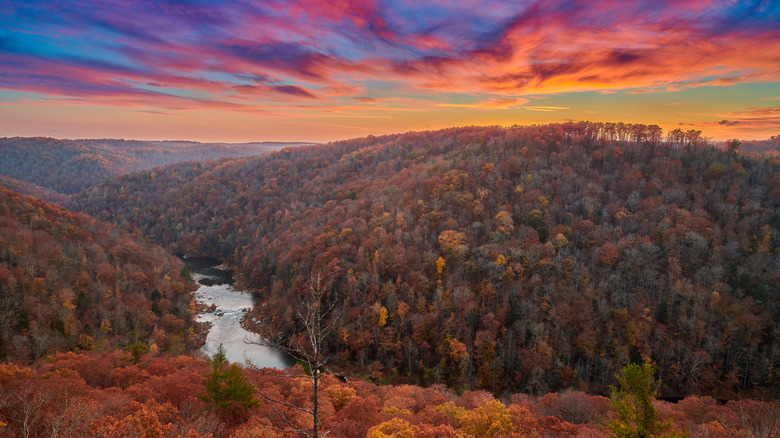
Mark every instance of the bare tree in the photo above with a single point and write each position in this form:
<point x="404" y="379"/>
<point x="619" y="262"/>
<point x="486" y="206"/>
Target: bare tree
<point x="317" y="318"/>
<point x="753" y="419"/>
<point x="26" y="410"/>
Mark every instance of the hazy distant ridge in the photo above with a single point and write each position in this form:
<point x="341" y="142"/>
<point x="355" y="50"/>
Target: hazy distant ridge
<point x="70" y="166"/>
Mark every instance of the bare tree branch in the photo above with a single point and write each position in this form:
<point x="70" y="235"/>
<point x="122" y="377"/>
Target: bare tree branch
<point x="318" y="320"/>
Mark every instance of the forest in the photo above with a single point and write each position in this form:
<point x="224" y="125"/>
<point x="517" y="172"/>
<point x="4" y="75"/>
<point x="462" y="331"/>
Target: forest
<point x="762" y="148"/>
<point x="70" y="282"/>
<point x="69" y="166"/>
<point x="524" y="259"/>
<point x="484" y="281"/>
<point x="113" y="395"/>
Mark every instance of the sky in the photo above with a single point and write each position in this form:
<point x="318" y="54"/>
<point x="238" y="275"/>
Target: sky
<point x="315" y="70"/>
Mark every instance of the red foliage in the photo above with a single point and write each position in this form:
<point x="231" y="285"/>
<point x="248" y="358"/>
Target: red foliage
<point x="165" y="404"/>
<point x="68" y="281"/>
<point x="354" y="420"/>
<point x="440" y="431"/>
<point x="605" y="219"/>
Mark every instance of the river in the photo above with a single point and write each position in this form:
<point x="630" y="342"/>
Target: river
<point x="216" y="286"/>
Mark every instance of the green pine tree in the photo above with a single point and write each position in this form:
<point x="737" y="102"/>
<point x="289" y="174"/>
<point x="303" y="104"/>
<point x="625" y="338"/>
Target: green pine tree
<point x="632" y="405"/>
<point x="226" y="386"/>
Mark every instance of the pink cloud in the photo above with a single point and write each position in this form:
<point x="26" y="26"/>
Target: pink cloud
<point x="243" y="55"/>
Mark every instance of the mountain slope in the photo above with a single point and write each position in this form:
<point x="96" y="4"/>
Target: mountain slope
<point x="31" y="189"/>
<point x="68" y="281"/>
<point x="69" y="166"/>
<point x="529" y="258"/>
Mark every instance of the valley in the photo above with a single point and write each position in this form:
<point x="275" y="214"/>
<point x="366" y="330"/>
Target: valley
<point x="478" y="244"/>
<point x="390" y="219"/>
<point x="215" y="288"/>
<point x="502" y="272"/>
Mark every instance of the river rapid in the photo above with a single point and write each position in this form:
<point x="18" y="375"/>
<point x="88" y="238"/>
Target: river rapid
<point x="215" y="286"/>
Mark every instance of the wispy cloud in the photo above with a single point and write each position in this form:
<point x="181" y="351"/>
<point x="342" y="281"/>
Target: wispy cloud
<point x="748" y="119"/>
<point x="175" y="55"/>
<point x="550" y="46"/>
<point x="545" y="108"/>
<point x="488" y="104"/>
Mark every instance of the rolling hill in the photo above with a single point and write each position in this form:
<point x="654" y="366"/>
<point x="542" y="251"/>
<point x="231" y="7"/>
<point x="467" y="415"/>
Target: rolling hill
<point x="68" y="281"/>
<point x="519" y="259"/>
<point x="70" y="166"/>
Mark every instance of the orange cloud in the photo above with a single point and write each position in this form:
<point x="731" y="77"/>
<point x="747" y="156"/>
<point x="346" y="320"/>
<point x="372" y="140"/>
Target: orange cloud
<point x="750" y="123"/>
<point x="371" y="59"/>
<point x="488" y="104"/>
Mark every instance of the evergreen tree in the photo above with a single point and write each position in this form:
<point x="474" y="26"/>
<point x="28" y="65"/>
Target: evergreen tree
<point x="226" y="387"/>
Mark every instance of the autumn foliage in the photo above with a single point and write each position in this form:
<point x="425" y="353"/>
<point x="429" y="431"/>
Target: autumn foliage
<point x="53" y="168"/>
<point x="70" y="282"/>
<point x="517" y="261"/>
<point x="554" y="254"/>
<point x="158" y="397"/>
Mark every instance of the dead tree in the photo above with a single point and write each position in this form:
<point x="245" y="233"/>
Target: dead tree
<point x="317" y="319"/>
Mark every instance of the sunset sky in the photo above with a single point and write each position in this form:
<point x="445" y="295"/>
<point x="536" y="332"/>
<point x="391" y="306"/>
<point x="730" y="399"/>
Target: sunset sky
<point x="315" y="70"/>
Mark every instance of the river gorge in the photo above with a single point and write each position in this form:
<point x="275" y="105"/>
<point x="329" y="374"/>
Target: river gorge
<point x="215" y="286"/>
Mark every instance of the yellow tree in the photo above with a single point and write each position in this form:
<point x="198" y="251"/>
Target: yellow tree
<point x="488" y="420"/>
<point x="453" y="243"/>
<point x="505" y="225"/>
<point x="440" y="264"/>
<point x="395" y="428"/>
<point x="634" y="415"/>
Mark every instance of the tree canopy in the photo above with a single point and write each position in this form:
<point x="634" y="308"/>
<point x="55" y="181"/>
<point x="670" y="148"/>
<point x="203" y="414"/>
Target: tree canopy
<point x="615" y="246"/>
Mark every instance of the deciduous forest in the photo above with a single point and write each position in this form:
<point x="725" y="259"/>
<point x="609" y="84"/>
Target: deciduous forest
<point x="70" y="166"/>
<point x="68" y="281"/>
<point x="522" y="259"/>
<point x="484" y="282"/>
<point x="110" y="395"/>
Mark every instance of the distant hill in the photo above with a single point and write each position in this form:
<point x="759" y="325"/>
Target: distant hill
<point x="69" y="166"/>
<point x="31" y="189"/>
<point x="68" y="281"/>
<point x="521" y="259"/>
<point x="769" y="147"/>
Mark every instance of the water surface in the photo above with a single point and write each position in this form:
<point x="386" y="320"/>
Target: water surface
<point x="216" y="286"/>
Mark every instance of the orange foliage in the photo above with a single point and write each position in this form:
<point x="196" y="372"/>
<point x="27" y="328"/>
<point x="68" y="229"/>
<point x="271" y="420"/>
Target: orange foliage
<point x="165" y="404"/>
<point x="488" y="420"/>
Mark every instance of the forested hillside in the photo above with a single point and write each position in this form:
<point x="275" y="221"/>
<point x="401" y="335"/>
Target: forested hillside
<point x="769" y="147"/>
<point x="68" y="281"/>
<point x="521" y="259"/>
<point x="69" y="166"/>
<point x="31" y="189"/>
